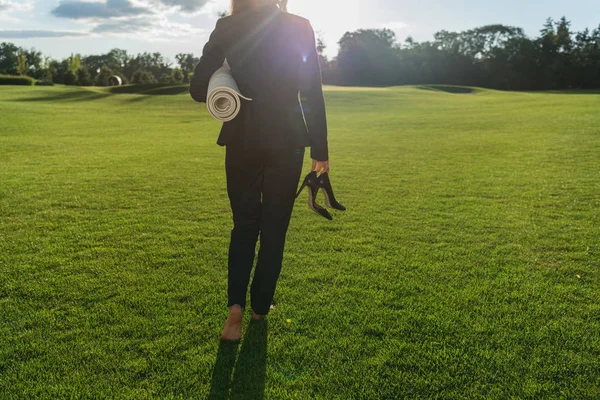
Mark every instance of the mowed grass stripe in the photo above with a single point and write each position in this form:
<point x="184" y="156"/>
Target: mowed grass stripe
<point x="466" y="265"/>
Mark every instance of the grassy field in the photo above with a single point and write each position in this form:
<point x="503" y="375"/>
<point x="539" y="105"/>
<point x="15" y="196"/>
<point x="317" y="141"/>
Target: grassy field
<point x="466" y="266"/>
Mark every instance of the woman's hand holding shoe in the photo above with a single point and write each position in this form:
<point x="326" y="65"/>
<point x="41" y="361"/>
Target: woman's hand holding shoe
<point x="320" y="167"/>
<point x="313" y="182"/>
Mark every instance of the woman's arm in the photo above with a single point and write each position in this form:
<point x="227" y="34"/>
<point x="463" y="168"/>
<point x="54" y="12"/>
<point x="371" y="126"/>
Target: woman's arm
<point x="311" y="94"/>
<point x="212" y="59"/>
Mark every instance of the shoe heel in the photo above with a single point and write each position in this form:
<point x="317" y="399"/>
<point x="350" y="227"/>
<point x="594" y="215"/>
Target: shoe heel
<point x="301" y="188"/>
<point x="330" y="199"/>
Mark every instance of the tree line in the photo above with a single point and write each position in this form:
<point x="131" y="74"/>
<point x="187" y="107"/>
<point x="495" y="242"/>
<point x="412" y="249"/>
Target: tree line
<point x="492" y="56"/>
<point x="96" y="69"/>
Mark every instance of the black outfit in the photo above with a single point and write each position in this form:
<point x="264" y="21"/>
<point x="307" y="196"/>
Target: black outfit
<point x="274" y="61"/>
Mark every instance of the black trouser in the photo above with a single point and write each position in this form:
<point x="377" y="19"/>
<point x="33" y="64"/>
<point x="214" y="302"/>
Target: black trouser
<point x="262" y="186"/>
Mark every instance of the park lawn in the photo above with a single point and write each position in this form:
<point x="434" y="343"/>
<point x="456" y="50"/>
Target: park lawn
<point x="466" y="266"/>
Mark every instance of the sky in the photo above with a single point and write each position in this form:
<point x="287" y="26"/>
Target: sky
<point x="59" y="28"/>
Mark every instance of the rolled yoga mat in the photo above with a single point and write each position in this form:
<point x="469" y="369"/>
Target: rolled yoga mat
<point x="224" y="98"/>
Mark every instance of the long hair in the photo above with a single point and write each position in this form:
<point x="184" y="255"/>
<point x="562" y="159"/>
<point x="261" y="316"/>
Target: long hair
<point x="241" y="5"/>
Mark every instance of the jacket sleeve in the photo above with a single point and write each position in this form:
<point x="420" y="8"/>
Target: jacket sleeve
<point x="311" y="94"/>
<point x="212" y="59"/>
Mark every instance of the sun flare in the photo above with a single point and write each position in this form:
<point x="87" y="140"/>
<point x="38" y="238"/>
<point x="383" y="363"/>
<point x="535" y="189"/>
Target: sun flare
<point x="331" y="18"/>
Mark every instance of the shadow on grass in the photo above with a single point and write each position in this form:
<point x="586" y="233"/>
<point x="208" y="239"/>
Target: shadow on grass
<point x="150" y="89"/>
<point x="84" y="94"/>
<point x="574" y="91"/>
<point x="250" y="369"/>
<point x="79" y="95"/>
<point x="448" y="89"/>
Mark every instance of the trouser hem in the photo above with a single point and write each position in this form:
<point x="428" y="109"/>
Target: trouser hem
<point x="231" y="303"/>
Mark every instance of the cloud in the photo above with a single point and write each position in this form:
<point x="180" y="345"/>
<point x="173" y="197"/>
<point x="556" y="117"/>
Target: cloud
<point x="123" y="26"/>
<point x="396" y="25"/>
<point x="109" y="9"/>
<point x="212" y="7"/>
<point x="155" y="28"/>
<point x="136" y="19"/>
<point x="30" y="34"/>
<point x="9" y="5"/>
<point x="84" y="9"/>
<point x="150" y="29"/>
<point x="185" y="5"/>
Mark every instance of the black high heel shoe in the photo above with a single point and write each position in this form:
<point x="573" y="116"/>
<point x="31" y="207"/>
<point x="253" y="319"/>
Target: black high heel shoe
<point x="330" y="200"/>
<point x="311" y="182"/>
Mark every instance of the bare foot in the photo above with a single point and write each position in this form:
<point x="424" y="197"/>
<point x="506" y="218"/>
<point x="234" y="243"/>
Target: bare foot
<point x="233" y="326"/>
<point x="257" y="317"/>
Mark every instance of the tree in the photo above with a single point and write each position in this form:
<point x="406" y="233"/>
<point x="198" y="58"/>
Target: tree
<point x="70" y="78"/>
<point x="57" y="71"/>
<point x="564" y="41"/>
<point x="9" y="54"/>
<point x="34" y="62"/>
<point x="153" y="64"/>
<point x="68" y="70"/>
<point x="492" y="47"/>
<point x="16" y="60"/>
<point x="586" y="59"/>
<point x="321" y="51"/>
<point x="117" y="60"/>
<point x="480" y="43"/>
<point x="103" y="75"/>
<point x="46" y="70"/>
<point x="187" y="63"/>
<point x="563" y="58"/>
<point x="141" y="77"/>
<point x="83" y="77"/>
<point x="74" y="63"/>
<point x="368" y="57"/>
<point x="177" y="76"/>
<point x="22" y="67"/>
<point x="328" y="68"/>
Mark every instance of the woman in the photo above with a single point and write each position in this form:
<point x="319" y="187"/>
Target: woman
<point x="273" y="58"/>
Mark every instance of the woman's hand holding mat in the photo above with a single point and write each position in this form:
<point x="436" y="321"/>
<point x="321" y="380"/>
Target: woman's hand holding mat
<point x="224" y="98"/>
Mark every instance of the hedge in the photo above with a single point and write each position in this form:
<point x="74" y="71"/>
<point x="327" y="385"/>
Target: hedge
<point x="16" y="80"/>
<point x="44" y="83"/>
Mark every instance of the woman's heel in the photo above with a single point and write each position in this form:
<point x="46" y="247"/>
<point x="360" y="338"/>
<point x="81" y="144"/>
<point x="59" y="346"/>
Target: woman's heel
<point x="330" y="200"/>
<point x="307" y="181"/>
<point x="312" y="196"/>
<point x="301" y="188"/>
<point x="312" y="183"/>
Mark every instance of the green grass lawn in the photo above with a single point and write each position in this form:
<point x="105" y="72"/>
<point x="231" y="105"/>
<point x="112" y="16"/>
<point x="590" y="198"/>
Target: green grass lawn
<point x="466" y="266"/>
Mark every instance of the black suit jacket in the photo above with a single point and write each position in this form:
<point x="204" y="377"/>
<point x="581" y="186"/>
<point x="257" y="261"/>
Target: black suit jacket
<point x="273" y="58"/>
